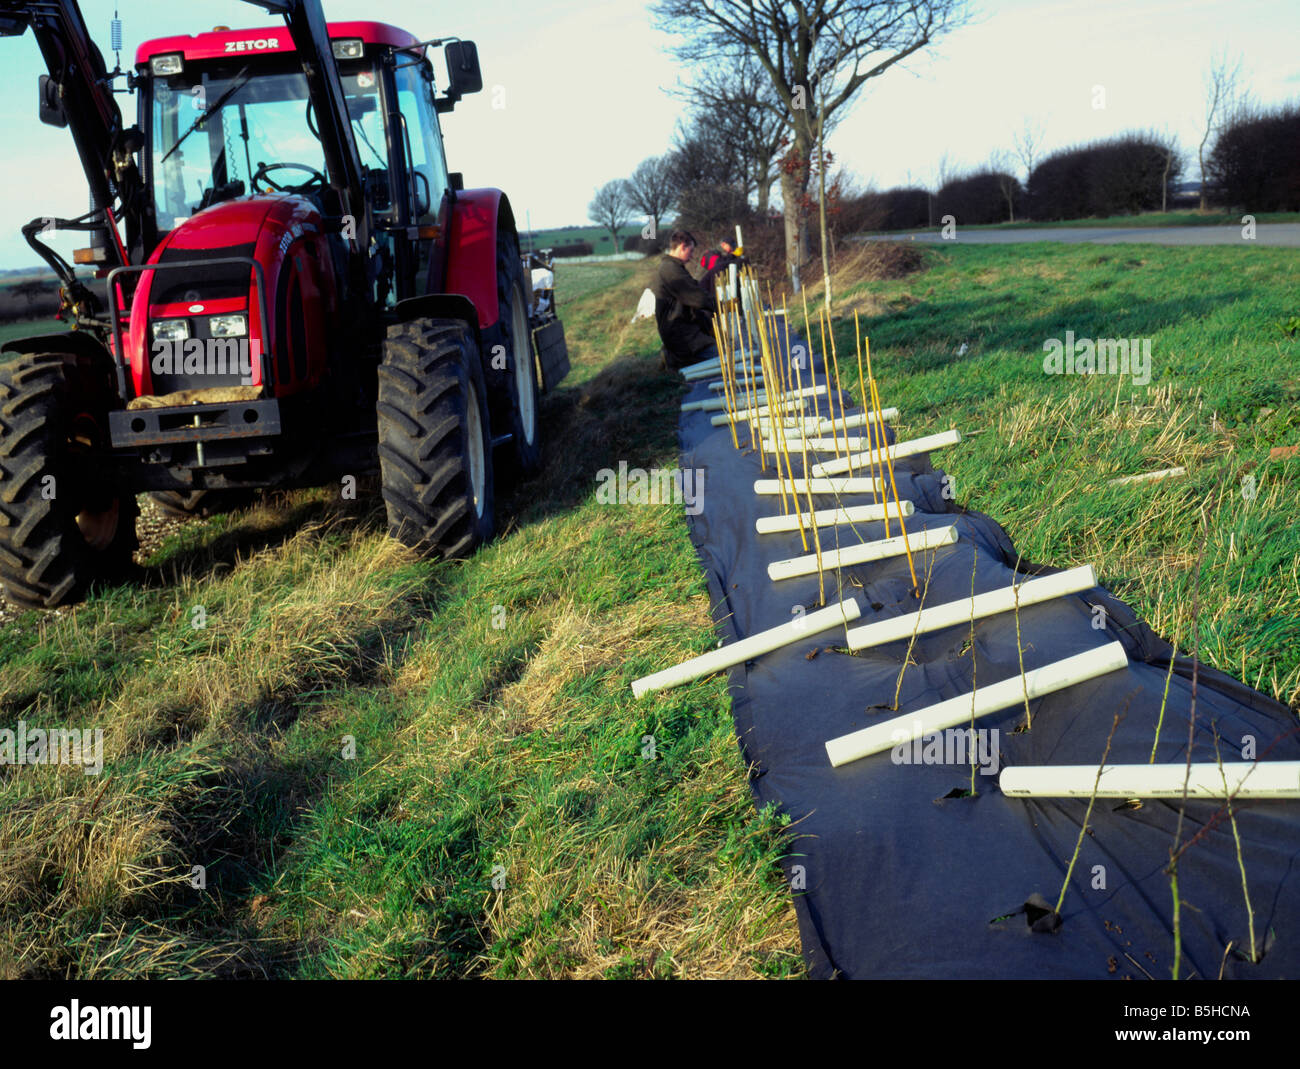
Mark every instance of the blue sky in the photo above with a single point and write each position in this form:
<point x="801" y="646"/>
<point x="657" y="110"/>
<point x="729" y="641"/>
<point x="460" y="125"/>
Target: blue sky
<point x="578" y="89"/>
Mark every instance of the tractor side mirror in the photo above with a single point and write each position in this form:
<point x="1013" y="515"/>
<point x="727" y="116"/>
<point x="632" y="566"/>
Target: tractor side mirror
<point x="51" y="102"/>
<point x="463" y="74"/>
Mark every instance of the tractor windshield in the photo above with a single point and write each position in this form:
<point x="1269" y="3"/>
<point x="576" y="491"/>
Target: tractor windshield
<point x="223" y="131"/>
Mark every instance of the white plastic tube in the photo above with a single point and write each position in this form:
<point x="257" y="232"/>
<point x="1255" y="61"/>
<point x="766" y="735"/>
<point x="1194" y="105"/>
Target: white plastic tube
<point x="1245" y="779"/>
<point x="744" y="414"/>
<point x="793" y="427"/>
<point x="1030" y="592"/>
<point x="795" y="433"/>
<point x="1149" y="476"/>
<point x="831" y="517"/>
<point x="830" y="426"/>
<point x="713" y="404"/>
<point x="844" y="485"/>
<point x="898" y="449"/>
<point x="710" y="368"/>
<point x="718" y="387"/>
<point x="862" y="553"/>
<point x="747" y="649"/>
<point x="827" y="445"/>
<point x="988" y="699"/>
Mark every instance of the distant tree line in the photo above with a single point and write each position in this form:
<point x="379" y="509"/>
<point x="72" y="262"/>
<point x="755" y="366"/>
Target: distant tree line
<point x="1255" y="164"/>
<point x="732" y="149"/>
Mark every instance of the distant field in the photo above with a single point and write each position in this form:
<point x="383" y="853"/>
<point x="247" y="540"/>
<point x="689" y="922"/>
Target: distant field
<point x="594" y="235"/>
<point x="23" y="328"/>
<point x="573" y="281"/>
<point x="1142" y="220"/>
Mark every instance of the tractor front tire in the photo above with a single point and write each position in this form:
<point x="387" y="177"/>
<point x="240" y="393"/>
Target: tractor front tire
<point x="435" y="440"/>
<point x="64" y="522"/>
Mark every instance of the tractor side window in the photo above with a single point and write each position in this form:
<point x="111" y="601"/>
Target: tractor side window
<point x="429" y="169"/>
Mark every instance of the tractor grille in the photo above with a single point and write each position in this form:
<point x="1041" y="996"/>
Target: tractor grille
<point x="202" y="283"/>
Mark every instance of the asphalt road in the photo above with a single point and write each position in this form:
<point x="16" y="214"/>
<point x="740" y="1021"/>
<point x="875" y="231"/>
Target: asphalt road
<point x="1285" y="235"/>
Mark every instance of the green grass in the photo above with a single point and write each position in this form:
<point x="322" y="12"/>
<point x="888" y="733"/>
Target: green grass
<point x="1224" y="390"/>
<point x="26" y="328"/>
<point x="1145" y="219"/>
<point x="358" y="742"/>
<point x="494" y="729"/>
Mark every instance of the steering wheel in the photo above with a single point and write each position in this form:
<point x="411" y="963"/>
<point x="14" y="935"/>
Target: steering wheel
<point x="316" y="181"/>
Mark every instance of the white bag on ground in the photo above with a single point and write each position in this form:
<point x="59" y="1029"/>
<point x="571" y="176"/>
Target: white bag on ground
<point x="645" y="307"/>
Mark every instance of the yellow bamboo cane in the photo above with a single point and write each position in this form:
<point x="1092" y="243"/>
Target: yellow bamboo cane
<point x="835" y="358"/>
<point x="807" y="486"/>
<point x="875" y="393"/>
<point x="807" y="333"/>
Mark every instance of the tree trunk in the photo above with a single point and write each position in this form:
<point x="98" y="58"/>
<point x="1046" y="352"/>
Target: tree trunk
<point x="821" y="213"/>
<point x="794" y="192"/>
<point x="790" y="212"/>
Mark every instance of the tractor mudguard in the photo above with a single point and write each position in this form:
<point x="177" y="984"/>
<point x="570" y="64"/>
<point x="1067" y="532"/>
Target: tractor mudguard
<point x="476" y="217"/>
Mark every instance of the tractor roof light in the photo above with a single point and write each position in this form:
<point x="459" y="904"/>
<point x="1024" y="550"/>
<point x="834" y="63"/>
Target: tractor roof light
<point x="171" y="63"/>
<point x="348" y="48"/>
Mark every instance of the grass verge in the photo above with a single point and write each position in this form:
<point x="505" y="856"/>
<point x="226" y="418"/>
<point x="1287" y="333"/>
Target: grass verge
<point x="365" y="765"/>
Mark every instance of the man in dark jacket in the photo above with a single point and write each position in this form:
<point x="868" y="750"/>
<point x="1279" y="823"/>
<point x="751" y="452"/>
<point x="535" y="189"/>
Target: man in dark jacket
<point x="683" y="310"/>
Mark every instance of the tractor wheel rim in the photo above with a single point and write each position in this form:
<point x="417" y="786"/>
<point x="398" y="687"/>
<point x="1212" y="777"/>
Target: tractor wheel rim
<point x="99" y="528"/>
<point x="477" y="452"/>
<point x="523" y="345"/>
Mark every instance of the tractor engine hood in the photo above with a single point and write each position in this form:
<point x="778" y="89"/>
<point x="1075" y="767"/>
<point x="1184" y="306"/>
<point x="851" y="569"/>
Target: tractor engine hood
<point x="198" y="321"/>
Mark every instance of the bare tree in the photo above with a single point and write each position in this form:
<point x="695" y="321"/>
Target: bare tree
<point x="650" y="189"/>
<point x="944" y="172"/>
<point x="1167" y="146"/>
<point x="1220" y="99"/>
<point x="611" y="209"/>
<point x="1000" y="164"/>
<point x="739" y="97"/>
<point x="1028" y="145"/>
<point x="817" y="54"/>
<point x="704" y="153"/>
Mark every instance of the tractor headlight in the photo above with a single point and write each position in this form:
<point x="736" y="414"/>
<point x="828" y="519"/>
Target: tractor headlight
<point x="171" y="63"/>
<point x="228" y="326"/>
<point x="349" y="48"/>
<point x="171" y="329"/>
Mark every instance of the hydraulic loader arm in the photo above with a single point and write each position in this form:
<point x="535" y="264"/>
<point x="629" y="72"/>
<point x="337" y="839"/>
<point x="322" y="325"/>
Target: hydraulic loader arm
<point x="81" y="88"/>
<point x="306" y="24"/>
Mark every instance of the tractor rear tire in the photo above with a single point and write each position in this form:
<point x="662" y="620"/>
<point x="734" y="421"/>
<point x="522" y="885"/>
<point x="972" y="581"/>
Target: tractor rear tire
<point x="435" y="439"/>
<point x="64" y="522"/>
<point x="514" y="334"/>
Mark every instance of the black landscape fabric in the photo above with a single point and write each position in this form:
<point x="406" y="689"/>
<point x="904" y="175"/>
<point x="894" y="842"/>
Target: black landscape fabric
<point x="891" y="877"/>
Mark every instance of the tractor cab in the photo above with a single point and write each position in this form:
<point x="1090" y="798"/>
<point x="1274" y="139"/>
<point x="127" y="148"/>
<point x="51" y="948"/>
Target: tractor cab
<point x="228" y="115"/>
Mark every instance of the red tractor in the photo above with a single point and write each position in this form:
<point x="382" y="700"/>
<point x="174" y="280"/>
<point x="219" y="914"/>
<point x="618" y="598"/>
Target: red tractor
<point x="296" y="292"/>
